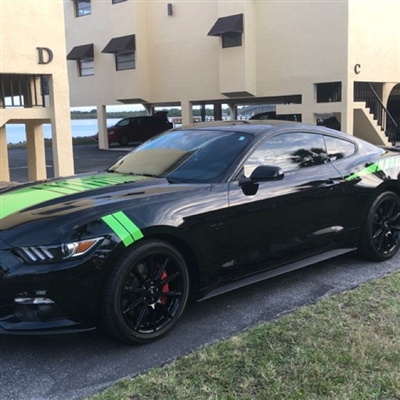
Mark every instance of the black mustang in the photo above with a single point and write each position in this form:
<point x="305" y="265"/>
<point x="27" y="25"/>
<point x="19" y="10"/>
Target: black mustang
<point x="189" y="214"/>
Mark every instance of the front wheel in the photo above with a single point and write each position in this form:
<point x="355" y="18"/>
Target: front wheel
<point x="146" y="292"/>
<point x="380" y="237"/>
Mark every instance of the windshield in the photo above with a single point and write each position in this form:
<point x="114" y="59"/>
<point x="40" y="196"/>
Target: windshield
<point x="185" y="156"/>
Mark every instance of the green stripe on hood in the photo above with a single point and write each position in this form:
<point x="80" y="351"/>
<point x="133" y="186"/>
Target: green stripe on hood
<point x="19" y="199"/>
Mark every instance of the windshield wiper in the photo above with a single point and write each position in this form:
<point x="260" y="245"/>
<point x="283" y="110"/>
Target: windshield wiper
<point x="142" y="174"/>
<point x="171" y="180"/>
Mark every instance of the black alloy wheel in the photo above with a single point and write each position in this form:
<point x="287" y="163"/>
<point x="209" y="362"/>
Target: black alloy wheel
<point x="146" y="292"/>
<point x="123" y="140"/>
<point x="380" y="238"/>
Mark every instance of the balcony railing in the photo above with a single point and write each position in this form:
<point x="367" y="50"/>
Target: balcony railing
<point x="23" y="91"/>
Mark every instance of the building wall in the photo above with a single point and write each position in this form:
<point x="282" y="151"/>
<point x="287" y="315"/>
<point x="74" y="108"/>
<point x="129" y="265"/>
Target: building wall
<point x="25" y="26"/>
<point x="283" y="43"/>
<point x="374" y="40"/>
<point x="288" y="48"/>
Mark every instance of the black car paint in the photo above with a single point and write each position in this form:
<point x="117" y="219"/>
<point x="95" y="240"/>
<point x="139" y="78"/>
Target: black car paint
<point x="225" y="235"/>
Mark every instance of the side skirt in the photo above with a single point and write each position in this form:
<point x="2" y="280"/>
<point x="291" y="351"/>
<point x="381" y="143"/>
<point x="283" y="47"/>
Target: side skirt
<point x="275" y="272"/>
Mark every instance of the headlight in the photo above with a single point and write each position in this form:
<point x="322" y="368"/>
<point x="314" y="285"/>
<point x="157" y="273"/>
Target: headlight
<point x="57" y="252"/>
<point x="110" y="132"/>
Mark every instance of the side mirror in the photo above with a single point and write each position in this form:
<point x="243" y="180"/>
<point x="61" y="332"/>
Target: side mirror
<point x="265" y="173"/>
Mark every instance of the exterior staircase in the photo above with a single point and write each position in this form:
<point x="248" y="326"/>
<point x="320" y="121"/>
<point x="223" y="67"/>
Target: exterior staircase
<point x="372" y="121"/>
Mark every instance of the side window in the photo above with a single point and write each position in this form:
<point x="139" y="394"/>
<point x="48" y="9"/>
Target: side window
<point x="289" y="151"/>
<point x="338" y="148"/>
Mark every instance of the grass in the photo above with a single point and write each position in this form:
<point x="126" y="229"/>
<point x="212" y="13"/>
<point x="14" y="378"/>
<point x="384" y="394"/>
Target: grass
<point x="343" y="347"/>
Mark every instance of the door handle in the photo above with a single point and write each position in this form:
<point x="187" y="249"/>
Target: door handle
<point x="330" y="183"/>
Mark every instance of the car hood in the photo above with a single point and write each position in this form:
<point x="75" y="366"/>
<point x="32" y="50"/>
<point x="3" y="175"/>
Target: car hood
<point x="50" y="209"/>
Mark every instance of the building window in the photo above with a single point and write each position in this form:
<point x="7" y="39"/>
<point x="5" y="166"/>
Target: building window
<point x="86" y="67"/>
<point x="84" y="56"/>
<point x="231" y="39"/>
<point x="82" y="8"/>
<point x="230" y="29"/>
<point x="329" y="92"/>
<point x="123" y="48"/>
<point x="125" y="61"/>
<point x="117" y="1"/>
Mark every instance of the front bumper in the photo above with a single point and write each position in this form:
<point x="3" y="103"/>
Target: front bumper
<point x="49" y="298"/>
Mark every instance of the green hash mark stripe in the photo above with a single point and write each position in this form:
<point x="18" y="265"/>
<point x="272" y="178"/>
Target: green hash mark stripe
<point x="128" y="225"/>
<point x="386" y="163"/>
<point x="123" y="227"/>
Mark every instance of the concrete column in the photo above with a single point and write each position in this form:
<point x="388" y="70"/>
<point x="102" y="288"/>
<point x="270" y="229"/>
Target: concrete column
<point x="149" y="109"/>
<point x="4" y="166"/>
<point x="309" y="99"/>
<point x="233" y="112"/>
<point x="347" y="116"/>
<point x="35" y="151"/>
<point x="203" y="111"/>
<point x="187" y="112"/>
<point x="217" y="112"/>
<point x="61" y="125"/>
<point x="102" y="127"/>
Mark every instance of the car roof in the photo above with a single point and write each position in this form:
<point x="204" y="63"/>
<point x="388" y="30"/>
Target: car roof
<point x="257" y="127"/>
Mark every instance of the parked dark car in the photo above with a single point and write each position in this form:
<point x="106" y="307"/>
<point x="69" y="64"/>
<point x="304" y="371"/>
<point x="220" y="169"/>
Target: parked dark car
<point x="189" y="214"/>
<point x="268" y="115"/>
<point x="330" y="121"/>
<point x="137" y="129"/>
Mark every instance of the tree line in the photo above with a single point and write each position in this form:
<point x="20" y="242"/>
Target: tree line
<point x="172" y="112"/>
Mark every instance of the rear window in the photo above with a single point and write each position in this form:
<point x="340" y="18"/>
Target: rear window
<point x="338" y="148"/>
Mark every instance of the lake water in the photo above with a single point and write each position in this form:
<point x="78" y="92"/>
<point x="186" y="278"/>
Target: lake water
<point x="79" y="127"/>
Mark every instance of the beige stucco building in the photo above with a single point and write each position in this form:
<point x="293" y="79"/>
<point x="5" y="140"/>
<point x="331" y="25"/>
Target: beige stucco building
<point x="307" y="57"/>
<point x="34" y="83"/>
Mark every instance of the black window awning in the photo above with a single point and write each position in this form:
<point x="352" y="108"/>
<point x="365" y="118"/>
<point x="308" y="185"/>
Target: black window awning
<point x="230" y="24"/>
<point x="120" y="44"/>
<point x="81" y="52"/>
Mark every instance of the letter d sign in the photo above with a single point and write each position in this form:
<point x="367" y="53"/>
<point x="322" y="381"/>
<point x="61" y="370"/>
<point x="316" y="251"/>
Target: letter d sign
<point x="42" y="51"/>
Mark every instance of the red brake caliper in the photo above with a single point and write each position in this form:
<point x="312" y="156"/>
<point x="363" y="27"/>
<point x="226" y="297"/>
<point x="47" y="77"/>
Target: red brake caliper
<point x="165" y="288"/>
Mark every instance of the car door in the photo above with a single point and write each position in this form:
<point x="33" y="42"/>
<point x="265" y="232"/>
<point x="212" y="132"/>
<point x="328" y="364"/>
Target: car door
<point x="288" y="219"/>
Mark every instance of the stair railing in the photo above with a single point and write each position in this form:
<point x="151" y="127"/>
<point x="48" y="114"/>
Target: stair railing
<point x="363" y="91"/>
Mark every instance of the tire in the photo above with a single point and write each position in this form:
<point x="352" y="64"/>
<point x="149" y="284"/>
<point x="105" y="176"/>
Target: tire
<point x="146" y="292"/>
<point x="380" y="236"/>
<point x="123" y="140"/>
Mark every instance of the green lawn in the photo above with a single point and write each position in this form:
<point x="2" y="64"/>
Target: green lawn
<point x="343" y="347"/>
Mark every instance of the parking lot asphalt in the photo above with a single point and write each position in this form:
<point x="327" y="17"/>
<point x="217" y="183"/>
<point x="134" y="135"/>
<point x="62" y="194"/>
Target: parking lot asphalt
<point x="68" y="368"/>
<point x="87" y="158"/>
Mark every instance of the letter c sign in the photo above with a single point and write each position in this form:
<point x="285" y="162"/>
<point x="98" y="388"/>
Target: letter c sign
<point x="357" y="68"/>
<point x="42" y="51"/>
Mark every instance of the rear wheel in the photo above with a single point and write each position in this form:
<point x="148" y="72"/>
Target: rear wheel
<point x="146" y="292"/>
<point x="380" y="238"/>
<point x="123" y="140"/>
